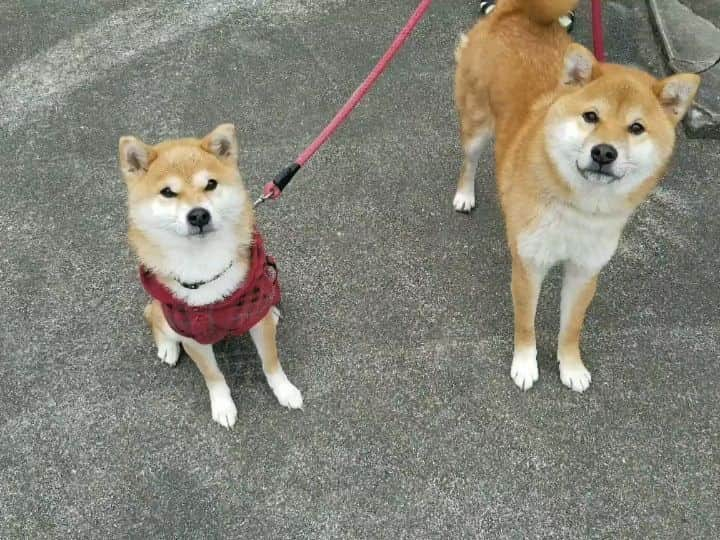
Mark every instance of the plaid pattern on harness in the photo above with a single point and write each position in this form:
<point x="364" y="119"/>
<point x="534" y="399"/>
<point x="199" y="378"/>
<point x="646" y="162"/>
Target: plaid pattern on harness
<point x="232" y="316"/>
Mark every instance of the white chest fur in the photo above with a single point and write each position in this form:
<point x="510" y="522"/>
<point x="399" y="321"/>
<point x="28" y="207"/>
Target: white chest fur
<point x="214" y="291"/>
<point x="565" y="233"/>
<point x="196" y="260"/>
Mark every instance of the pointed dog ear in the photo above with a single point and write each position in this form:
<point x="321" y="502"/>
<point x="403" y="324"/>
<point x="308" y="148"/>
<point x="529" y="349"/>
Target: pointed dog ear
<point x="676" y="94"/>
<point x="135" y="157"/>
<point x="222" y="142"/>
<point x="577" y="66"/>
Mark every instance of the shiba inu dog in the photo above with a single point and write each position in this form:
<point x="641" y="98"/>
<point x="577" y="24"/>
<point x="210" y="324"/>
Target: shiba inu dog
<point x="192" y="226"/>
<point x="579" y="145"/>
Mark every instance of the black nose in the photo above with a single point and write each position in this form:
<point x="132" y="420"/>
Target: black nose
<point x="603" y="154"/>
<point x="198" y="217"/>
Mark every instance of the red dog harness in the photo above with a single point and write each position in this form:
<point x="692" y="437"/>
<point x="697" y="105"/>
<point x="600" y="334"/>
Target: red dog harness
<point x="232" y="316"/>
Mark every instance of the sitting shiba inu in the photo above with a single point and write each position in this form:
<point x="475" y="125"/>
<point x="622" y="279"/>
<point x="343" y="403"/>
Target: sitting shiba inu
<point x="191" y="224"/>
<point x="579" y="145"/>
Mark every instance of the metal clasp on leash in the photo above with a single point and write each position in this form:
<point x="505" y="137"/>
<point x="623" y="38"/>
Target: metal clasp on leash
<point x="273" y="189"/>
<point x="260" y="200"/>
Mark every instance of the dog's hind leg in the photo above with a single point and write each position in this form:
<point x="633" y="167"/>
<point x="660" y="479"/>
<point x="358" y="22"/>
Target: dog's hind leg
<point x="166" y="340"/>
<point x="475" y="133"/>
<point x="263" y="335"/>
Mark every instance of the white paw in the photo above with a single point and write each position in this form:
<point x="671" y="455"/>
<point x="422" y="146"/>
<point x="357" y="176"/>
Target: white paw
<point x="464" y="201"/>
<point x="284" y="390"/>
<point x="224" y="411"/>
<point x="575" y="376"/>
<point x="288" y="395"/>
<point x="168" y="351"/>
<point x="524" y="370"/>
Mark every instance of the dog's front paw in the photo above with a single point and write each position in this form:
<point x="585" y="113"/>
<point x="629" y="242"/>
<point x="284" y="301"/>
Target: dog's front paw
<point x="288" y="396"/>
<point x="524" y="370"/>
<point x="224" y="411"/>
<point x="168" y="351"/>
<point x="464" y="201"/>
<point x="285" y="391"/>
<point x="575" y="375"/>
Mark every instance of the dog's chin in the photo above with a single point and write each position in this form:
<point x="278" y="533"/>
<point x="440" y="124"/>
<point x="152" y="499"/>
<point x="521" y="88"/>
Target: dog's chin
<point x="597" y="176"/>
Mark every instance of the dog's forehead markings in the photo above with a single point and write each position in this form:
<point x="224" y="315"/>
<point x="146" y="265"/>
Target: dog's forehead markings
<point x="181" y="155"/>
<point x="183" y="162"/>
<point x="173" y="182"/>
<point x="634" y="114"/>
<point x="200" y="178"/>
<point x="631" y="95"/>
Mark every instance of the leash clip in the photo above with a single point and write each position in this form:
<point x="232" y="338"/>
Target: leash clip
<point x="270" y="191"/>
<point x="273" y="189"/>
<point x="259" y="201"/>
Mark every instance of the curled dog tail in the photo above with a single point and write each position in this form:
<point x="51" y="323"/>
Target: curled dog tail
<point x="546" y="11"/>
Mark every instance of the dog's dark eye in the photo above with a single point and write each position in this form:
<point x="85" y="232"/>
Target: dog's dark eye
<point x="212" y="184"/>
<point x="591" y="117"/>
<point x="168" y="193"/>
<point x="637" y="128"/>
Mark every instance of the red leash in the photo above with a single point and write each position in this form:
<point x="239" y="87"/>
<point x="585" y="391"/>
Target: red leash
<point x="597" y="30"/>
<point x="273" y="190"/>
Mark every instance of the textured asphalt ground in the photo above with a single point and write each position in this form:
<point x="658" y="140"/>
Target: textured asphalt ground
<point x="397" y="318"/>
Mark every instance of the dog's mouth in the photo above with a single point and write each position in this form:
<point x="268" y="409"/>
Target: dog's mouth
<point x="201" y="232"/>
<point x="597" y="174"/>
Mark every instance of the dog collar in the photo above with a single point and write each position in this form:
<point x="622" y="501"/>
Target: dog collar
<point x="198" y="284"/>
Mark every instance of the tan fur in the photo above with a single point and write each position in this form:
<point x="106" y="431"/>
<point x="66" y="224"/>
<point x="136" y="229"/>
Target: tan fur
<point x="525" y="293"/>
<point x="264" y="336"/>
<point x="205" y="362"/>
<point x="156" y="321"/>
<point x="569" y="338"/>
<point x="544" y="11"/>
<point x="518" y="73"/>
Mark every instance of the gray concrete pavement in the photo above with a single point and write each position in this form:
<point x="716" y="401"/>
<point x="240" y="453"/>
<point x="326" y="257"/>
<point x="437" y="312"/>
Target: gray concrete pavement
<point x="397" y="318"/>
<point x="707" y="9"/>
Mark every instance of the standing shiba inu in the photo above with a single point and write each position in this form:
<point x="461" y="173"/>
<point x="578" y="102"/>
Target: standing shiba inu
<point x="192" y="226"/>
<point x="579" y="145"/>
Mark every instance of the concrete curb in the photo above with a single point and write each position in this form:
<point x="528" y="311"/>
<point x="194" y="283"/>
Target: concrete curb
<point x="692" y="44"/>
